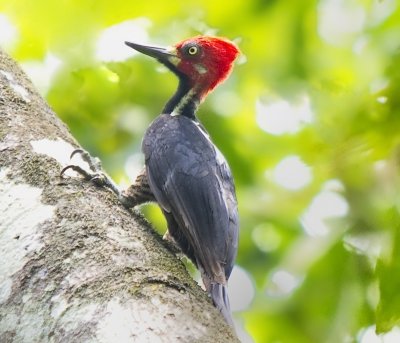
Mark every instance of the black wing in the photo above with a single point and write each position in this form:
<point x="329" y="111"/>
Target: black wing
<point x="192" y="181"/>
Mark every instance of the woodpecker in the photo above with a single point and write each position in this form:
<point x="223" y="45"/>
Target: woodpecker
<point x="184" y="172"/>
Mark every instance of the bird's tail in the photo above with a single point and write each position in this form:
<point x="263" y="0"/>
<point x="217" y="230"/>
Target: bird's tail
<point x="219" y="295"/>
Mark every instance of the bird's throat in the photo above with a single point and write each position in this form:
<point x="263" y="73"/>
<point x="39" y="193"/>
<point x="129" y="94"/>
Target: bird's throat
<point x="187" y="105"/>
<point x="185" y="101"/>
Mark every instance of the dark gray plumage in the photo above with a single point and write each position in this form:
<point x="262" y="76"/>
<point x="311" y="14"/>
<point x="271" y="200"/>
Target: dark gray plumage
<point x="192" y="183"/>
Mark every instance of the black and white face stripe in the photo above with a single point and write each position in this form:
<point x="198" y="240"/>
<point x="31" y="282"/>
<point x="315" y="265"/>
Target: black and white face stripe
<point x="184" y="101"/>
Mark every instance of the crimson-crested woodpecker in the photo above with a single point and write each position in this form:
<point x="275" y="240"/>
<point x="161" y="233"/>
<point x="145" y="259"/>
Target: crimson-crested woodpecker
<point x="184" y="172"/>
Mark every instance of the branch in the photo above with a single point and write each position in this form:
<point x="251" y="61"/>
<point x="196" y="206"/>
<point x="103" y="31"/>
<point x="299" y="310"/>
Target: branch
<point x="76" y="265"/>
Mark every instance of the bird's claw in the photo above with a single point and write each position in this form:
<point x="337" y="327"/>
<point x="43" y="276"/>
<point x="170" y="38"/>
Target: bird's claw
<point x="87" y="176"/>
<point x="94" y="163"/>
<point x="95" y="175"/>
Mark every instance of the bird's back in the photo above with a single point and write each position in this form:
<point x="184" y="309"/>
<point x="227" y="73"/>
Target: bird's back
<point x="192" y="182"/>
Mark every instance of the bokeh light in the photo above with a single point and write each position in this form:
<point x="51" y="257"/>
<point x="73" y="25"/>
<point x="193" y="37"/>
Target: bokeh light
<point x="292" y="173"/>
<point x="280" y="116"/>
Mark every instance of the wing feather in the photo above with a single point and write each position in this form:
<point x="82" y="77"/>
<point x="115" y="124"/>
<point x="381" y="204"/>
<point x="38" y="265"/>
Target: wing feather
<point x="195" y="185"/>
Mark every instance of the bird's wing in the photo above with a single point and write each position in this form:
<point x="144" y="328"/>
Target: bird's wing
<point x="192" y="181"/>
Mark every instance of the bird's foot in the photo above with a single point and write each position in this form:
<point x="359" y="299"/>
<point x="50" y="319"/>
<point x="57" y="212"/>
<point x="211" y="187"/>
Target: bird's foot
<point x="95" y="173"/>
<point x="171" y="243"/>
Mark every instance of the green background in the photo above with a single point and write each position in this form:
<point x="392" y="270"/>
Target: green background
<point x="309" y="122"/>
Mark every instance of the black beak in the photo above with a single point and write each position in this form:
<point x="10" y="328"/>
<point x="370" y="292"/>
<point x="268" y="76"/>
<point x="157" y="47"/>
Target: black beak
<point x="160" y="54"/>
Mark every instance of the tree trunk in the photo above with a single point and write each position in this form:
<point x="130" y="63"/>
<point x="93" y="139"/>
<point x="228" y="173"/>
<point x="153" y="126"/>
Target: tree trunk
<point x="75" y="265"/>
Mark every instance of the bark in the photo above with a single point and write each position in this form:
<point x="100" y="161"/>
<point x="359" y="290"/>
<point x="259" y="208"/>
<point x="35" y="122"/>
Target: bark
<point x="75" y="265"/>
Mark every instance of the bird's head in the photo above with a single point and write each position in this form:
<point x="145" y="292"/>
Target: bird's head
<point x="203" y="61"/>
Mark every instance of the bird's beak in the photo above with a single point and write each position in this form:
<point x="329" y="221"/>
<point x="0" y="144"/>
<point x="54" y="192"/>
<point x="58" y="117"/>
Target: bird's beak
<point x="161" y="54"/>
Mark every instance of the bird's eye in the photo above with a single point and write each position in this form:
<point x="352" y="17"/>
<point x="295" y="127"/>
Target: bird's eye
<point x="193" y="50"/>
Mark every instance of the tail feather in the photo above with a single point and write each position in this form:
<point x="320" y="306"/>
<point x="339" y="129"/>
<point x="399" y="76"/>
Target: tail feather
<point x="219" y="295"/>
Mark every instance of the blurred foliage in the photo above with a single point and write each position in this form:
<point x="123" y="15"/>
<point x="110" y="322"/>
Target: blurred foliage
<point x="309" y="122"/>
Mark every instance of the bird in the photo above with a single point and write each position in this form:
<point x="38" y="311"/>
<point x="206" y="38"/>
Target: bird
<point x="184" y="172"/>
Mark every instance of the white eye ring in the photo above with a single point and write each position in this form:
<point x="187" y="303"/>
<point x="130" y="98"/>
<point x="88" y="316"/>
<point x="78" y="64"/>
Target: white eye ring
<point x="193" y="50"/>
